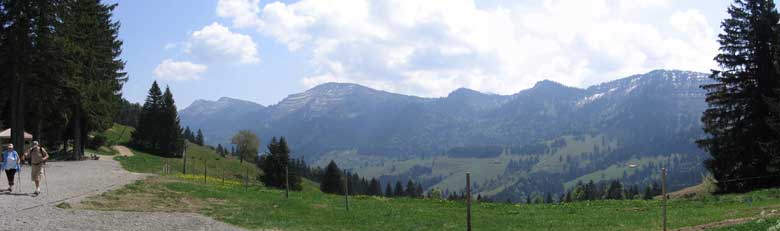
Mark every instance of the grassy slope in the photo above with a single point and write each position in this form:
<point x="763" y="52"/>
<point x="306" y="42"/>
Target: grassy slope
<point x="118" y="134"/>
<point x="197" y="156"/>
<point x="260" y="207"/>
<point x="311" y="210"/>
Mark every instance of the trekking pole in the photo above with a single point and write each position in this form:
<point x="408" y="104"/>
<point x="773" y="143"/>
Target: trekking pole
<point x="19" y="186"/>
<point x="45" y="182"/>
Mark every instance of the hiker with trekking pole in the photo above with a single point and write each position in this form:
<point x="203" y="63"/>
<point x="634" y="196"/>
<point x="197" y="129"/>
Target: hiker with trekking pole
<point x="10" y="165"/>
<point x="37" y="157"/>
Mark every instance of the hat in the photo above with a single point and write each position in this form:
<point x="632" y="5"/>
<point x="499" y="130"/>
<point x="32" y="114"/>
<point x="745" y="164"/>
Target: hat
<point x="35" y="143"/>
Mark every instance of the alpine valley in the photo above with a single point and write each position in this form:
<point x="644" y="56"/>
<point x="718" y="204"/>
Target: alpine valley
<point x="544" y="139"/>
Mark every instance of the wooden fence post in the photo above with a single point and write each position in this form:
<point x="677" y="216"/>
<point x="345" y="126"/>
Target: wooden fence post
<point x="287" y="182"/>
<point x="205" y="170"/>
<point x="184" y="156"/>
<point x="663" y="194"/>
<point x="346" y="191"/>
<point x="468" y="201"/>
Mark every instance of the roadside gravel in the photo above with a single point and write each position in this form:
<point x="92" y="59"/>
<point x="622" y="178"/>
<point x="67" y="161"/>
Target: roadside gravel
<point x="73" y="181"/>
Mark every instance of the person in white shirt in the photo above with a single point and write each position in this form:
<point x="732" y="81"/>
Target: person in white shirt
<point x="10" y="165"/>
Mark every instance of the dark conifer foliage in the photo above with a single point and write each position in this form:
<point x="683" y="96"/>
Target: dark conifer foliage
<point x="199" y="138"/>
<point x="738" y="114"/>
<point x="331" y="179"/>
<point x="398" y="191"/>
<point x="374" y="188"/>
<point x="158" y="128"/>
<point x="59" y="101"/>
<point x="275" y="166"/>
<point x="388" y="190"/>
<point x="128" y="114"/>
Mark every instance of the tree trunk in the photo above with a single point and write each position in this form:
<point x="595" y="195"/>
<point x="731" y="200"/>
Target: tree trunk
<point x="17" y="113"/>
<point x="77" y="148"/>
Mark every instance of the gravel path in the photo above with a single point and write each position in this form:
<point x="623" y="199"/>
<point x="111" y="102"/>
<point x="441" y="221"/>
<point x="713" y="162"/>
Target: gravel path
<point x="124" y="151"/>
<point x="73" y="181"/>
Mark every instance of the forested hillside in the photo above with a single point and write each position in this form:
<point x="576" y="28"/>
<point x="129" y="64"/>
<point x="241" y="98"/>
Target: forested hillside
<point x="539" y="140"/>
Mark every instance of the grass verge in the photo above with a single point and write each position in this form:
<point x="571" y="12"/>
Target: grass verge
<point x="310" y="209"/>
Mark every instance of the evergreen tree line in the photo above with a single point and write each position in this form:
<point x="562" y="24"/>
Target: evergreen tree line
<point x="743" y="117"/>
<point x="158" y="129"/>
<point x="610" y="190"/>
<point x="61" y="73"/>
<point x="277" y="171"/>
<point x="128" y="113"/>
<point x="332" y="180"/>
<point x="195" y="137"/>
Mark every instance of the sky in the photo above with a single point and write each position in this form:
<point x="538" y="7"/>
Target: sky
<point x="262" y="51"/>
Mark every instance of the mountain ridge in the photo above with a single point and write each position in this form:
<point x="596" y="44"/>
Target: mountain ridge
<point x="554" y="134"/>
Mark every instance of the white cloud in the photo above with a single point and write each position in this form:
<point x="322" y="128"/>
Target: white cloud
<point x="217" y="43"/>
<point x="179" y="70"/>
<point x="435" y="46"/>
<point x="243" y="12"/>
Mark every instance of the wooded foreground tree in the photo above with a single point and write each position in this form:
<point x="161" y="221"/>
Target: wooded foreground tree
<point x="61" y="69"/>
<point x="246" y="144"/>
<point x="275" y="166"/>
<point x="158" y="128"/>
<point x="331" y="179"/>
<point x="738" y="115"/>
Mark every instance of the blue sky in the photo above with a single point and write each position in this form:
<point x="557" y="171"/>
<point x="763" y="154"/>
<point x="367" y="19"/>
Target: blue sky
<point x="263" y="51"/>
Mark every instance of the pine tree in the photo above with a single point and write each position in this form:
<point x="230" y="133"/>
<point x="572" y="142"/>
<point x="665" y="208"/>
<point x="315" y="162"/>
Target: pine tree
<point x="648" y="195"/>
<point x="275" y="166"/>
<point x="331" y="179"/>
<point x="188" y="134"/>
<point x="199" y="138"/>
<point x="411" y="190"/>
<point x="220" y="150"/>
<point x="388" y="190"/>
<point x="548" y="198"/>
<point x="738" y="115"/>
<point x="374" y="188"/>
<point x="171" y="141"/>
<point x="94" y="75"/>
<point x="399" y="189"/>
<point x="146" y="135"/>
<point x="615" y="190"/>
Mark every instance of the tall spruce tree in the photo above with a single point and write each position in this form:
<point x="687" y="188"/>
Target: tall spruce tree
<point x="399" y="189"/>
<point x="411" y="189"/>
<point x="275" y="164"/>
<point x="738" y="113"/>
<point x="171" y="141"/>
<point x="374" y="188"/>
<point x="388" y="190"/>
<point x="146" y="135"/>
<point x="95" y="77"/>
<point x="199" y="138"/>
<point x="16" y="61"/>
<point x="331" y="179"/>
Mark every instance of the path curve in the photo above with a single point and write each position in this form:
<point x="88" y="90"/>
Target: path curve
<point x="73" y="181"/>
<point x="729" y="222"/>
<point x="124" y="151"/>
